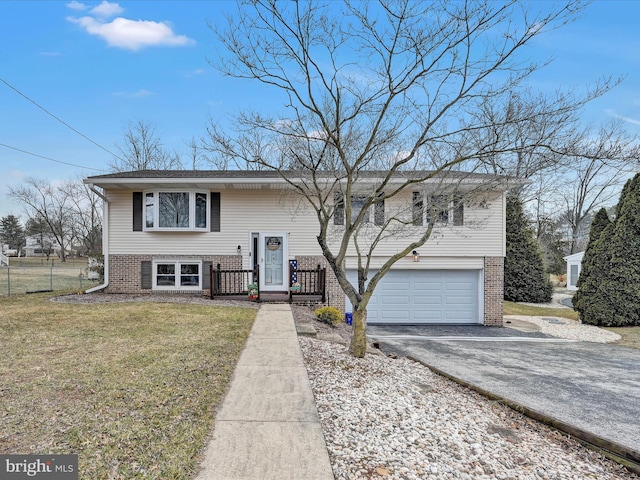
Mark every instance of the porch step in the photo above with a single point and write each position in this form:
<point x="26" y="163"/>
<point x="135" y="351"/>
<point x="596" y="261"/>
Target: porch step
<point x="274" y="297"/>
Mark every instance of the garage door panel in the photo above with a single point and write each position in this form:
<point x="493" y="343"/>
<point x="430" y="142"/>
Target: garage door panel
<point x="427" y="300"/>
<point x="425" y="296"/>
<point x="395" y="316"/>
<point x="389" y="298"/>
<point x="452" y="300"/>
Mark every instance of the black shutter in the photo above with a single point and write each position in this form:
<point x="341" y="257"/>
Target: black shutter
<point x="458" y="212"/>
<point x="338" y="209"/>
<point x="137" y="211"/>
<point x="146" y="275"/>
<point x="378" y="213"/>
<point x="418" y="209"/>
<point x="206" y="275"/>
<point x="215" y="212"/>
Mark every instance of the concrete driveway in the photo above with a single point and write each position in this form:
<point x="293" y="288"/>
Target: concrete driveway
<point x="593" y="387"/>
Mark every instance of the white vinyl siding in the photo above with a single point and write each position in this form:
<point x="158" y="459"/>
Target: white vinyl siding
<point x="482" y="234"/>
<point x="246" y="211"/>
<point x="241" y="212"/>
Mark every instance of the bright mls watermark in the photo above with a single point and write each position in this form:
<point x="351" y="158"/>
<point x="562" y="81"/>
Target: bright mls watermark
<point x="49" y="467"/>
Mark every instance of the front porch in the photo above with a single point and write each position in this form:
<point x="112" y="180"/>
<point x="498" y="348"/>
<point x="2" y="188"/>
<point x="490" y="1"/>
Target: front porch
<point x="304" y="286"/>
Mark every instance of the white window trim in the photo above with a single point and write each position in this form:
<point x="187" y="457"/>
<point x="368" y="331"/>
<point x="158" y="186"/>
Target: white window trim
<point x="177" y="263"/>
<point x="192" y="211"/>
<point x="425" y="206"/>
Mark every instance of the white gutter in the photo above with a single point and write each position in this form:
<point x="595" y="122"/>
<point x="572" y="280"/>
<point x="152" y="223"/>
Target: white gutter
<point x="105" y="240"/>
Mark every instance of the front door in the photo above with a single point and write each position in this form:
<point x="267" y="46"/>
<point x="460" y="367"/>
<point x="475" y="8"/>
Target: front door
<point x="273" y="258"/>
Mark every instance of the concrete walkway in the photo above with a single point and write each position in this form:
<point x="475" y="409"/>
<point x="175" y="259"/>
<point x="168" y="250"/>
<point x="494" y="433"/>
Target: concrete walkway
<point x="268" y="426"/>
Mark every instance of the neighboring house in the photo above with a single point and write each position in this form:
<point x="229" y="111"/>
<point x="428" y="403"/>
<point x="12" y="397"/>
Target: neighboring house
<point x="574" y="266"/>
<point x="164" y="229"/>
<point x="9" y="252"/>
<point x="41" y="246"/>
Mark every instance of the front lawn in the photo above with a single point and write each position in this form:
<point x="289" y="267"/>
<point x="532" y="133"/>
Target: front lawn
<point x="513" y="308"/>
<point x="132" y="388"/>
<point x="630" y="336"/>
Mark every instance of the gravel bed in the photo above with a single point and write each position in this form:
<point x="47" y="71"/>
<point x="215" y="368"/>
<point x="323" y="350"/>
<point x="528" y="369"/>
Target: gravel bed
<point x="395" y="419"/>
<point x="570" y="329"/>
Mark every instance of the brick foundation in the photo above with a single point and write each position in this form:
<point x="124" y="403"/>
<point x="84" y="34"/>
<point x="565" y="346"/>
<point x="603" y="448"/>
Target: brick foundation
<point x="125" y="270"/>
<point x="493" y="291"/>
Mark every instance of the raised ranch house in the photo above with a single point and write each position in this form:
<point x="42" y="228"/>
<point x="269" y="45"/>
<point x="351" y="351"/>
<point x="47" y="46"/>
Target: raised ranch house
<point x="165" y="230"/>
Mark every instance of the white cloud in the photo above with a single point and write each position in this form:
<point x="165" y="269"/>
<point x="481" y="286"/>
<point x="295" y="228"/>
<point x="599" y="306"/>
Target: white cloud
<point x="139" y="94"/>
<point x="132" y="34"/>
<point x="630" y="120"/>
<point x="107" y="9"/>
<point x="195" y="72"/>
<point x="76" y="6"/>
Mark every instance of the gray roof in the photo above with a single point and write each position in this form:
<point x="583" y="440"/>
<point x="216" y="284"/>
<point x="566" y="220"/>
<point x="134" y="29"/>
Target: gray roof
<point x="264" y="179"/>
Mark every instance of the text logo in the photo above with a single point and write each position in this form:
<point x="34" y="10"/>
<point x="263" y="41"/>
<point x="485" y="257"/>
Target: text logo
<point x="46" y="467"/>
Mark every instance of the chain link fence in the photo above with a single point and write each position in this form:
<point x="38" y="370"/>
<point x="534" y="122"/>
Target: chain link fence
<point x="28" y="277"/>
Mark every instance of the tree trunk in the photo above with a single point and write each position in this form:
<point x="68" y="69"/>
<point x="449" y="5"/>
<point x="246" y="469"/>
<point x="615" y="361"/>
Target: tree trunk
<point x="358" y="346"/>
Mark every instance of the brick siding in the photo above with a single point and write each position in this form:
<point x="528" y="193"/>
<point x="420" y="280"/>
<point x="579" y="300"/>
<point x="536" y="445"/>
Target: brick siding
<point x="493" y="291"/>
<point x="124" y="270"/>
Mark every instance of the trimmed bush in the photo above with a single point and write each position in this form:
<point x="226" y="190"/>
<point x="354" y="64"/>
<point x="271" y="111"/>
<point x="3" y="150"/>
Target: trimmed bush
<point x="329" y="315"/>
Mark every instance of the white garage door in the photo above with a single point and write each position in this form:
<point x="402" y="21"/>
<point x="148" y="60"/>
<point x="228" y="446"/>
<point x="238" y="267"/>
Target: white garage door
<point x="425" y="296"/>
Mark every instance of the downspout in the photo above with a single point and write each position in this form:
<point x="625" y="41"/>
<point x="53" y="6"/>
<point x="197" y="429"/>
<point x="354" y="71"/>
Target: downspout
<point x="105" y="240"/>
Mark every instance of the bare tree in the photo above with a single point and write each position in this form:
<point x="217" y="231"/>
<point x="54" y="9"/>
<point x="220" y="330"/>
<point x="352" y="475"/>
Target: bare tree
<point x="196" y="155"/>
<point x="571" y="169"/>
<point x="595" y="170"/>
<point x="86" y="218"/>
<point x="407" y="108"/>
<point x="142" y="150"/>
<point x="51" y="204"/>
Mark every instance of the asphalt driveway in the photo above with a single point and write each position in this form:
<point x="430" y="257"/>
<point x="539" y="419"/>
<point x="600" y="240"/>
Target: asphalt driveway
<point x="594" y="387"/>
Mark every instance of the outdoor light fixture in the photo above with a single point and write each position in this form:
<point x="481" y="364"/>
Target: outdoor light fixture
<point x="416" y="256"/>
<point x="239" y="250"/>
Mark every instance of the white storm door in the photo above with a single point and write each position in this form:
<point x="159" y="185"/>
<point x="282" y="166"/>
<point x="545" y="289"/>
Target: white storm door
<point x="273" y="259"/>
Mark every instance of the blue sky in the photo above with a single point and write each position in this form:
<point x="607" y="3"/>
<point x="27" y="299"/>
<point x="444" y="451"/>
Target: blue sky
<point x="100" y="66"/>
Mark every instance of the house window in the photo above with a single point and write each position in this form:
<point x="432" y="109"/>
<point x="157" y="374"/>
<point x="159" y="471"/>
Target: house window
<point x="357" y="204"/>
<point x="176" y="210"/>
<point x="440" y="208"/>
<point x="177" y="275"/>
<point x="149" y="210"/>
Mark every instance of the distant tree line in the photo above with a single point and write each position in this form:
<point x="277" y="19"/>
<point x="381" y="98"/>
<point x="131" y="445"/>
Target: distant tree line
<point x="64" y="218"/>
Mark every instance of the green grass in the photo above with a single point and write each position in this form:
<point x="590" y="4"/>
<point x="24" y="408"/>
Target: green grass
<point x="512" y="308"/>
<point x="132" y="388"/>
<point x="630" y="336"/>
